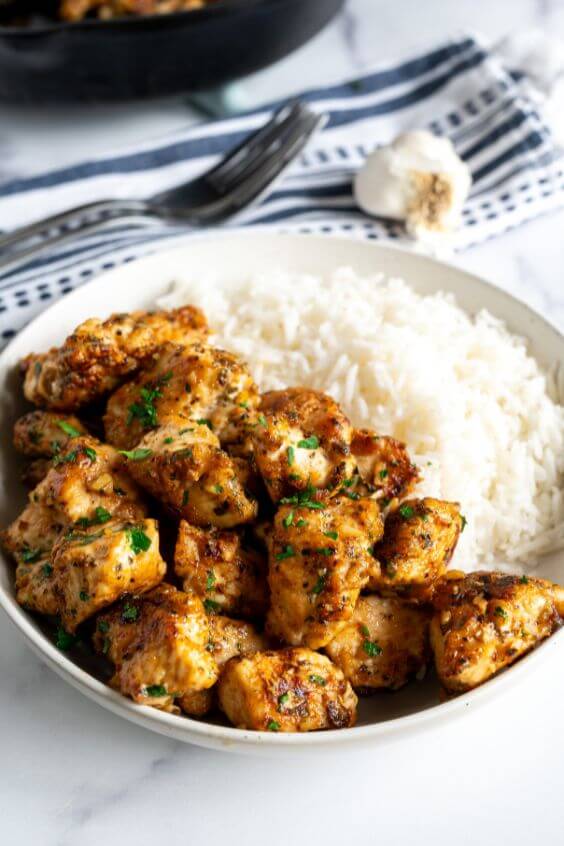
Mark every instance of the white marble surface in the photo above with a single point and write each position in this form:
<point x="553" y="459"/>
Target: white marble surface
<point x="74" y="774"/>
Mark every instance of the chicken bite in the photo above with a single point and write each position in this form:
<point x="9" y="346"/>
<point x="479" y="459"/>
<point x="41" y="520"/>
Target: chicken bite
<point x="419" y="540"/>
<point x="158" y="644"/>
<point x="292" y="690"/>
<point x="302" y="440"/>
<point x="319" y="561"/>
<point x="222" y="569"/>
<point x="99" y="354"/>
<point x="182" y="464"/>
<point x="385" y="644"/>
<point x="228" y="639"/>
<point x="485" y="621"/>
<point x="384" y="465"/>
<point x="43" y="434"/>
<point x="200" y="382"/>
<point x="93" y="568"/>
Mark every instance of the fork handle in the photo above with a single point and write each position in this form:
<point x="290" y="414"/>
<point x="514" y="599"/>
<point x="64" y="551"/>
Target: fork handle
<point x="14" y="258"/>
<point x="117" y="208"/>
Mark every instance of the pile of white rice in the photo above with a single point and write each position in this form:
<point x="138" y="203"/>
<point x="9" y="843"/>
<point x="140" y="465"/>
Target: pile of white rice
<point x="471" y="404"/>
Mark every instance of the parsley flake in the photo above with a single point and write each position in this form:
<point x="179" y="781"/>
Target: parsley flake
<point x="332" y="535"/>
<point x="29" y="556"/>
<point x="287" y="552"/>
<point x="288" y="520"/>
<point x="138" y="540"/>
<point x="46" y="569"/>
<point x="136" y="454"/>
<point x="68" y="429"/>
<point x="317" y="680"/>
<point x="211" y="580"/>
<point x="290" y="453"/>
<point x="273" y="726"/>
<point x="129" y="613"/>
<point x="156" y="690"/>
<point x="371" y="648"/>
<point x="211" y="606"/>
<point x="309" y="443"/>
<point x="64" y="641"/>
<point x="406" y="511"/>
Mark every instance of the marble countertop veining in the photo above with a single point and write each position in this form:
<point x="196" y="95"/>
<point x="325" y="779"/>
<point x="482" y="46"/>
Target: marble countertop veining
<point x="75" y="774"/>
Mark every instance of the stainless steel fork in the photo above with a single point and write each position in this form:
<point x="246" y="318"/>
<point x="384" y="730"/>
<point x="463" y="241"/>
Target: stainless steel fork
<point x="246" y="174"/>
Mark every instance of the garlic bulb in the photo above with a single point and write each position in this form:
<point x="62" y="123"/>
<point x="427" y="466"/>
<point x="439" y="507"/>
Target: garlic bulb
<point x="418" y="179"/>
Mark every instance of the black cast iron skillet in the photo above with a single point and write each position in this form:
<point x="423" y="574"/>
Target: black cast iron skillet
<point x="93" y="60"/>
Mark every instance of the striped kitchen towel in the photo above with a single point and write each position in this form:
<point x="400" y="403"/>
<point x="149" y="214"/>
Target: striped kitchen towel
<point x="459" y="89"/>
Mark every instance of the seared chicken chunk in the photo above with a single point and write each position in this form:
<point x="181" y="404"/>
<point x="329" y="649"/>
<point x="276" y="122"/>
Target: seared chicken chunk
<point x="158" y="644"/>
<point x="302" y="439"/>
<point x="419" y="541"/>
<point x="228" y="639"/>
<point x="199" y="382"/>
<point x="385" y="644"/>
<point x="43" y="434"/>
<point x="319" y="561"/>
<point x="384" y="465"/>
<point x="35" y="471"/>
<point x="94" y="567"/>
<point x="182" y="464"/>
<point x="99" y="354"/>
<point x="35" y="588"/>
<point x="224" y="571"/>
<point x="290" y="690"/>
<point x="485" y="621"/>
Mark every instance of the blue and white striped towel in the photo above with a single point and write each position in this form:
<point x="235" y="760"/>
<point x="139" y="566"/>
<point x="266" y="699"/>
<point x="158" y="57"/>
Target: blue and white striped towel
<point x="459" y="89"/>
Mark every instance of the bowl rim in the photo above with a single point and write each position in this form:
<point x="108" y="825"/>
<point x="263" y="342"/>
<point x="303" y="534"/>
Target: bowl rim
<point x="187" y="729"/>
<point x="191" y="17"/>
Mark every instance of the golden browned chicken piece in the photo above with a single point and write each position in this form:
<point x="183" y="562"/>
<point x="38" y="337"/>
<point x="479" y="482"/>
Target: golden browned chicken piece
<point x="384" y="465"/>
<point x="100" y="354"/>
<point x="182" y="464"/>
<point x="159" y="646"/>
<point x="289" y="690"/>
<point x="223" y="570"/>
<point x="94" y="567"/>
<point x="228" y="639"/>
<point x="44" y="434"/>
<point x="419" y="540"/>
<point x="76" y="10"/>
<point x="319" y="561"/>
<point x="302" y="439"/>
<point x="86" y="486"/>
<point x="385" y="644"/>
<point x="199" y="382"/>
<point x="485" y="621"/>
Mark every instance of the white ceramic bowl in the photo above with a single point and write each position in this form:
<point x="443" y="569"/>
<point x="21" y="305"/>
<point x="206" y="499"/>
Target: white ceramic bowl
<point x="137" y="285"/>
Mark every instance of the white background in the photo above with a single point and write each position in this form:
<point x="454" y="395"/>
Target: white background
<point x="74" y="774"/>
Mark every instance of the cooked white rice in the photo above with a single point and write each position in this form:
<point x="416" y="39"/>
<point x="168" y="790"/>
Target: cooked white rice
<point x="462" y="392"/>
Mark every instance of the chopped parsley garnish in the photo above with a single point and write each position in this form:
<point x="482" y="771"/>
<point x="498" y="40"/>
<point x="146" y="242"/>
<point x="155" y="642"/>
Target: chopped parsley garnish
<point x="29" y="556"/>
<point x="332" y="535"/>
<point x="287" y="552"/>
<point x="138" y="540"/>
<point x="203" y="421"/>
<point x="383" y="473"/>
<point x="524" y="580"/>
<point x="106" y="645"/>
<point x="211" y="606"/>
<point x="291" y="455"/>
<point x="500" y="612"/>
<point x="68" y="429"/>
<point x="103" y="626"/>
<point x="352" y="495"/>
<point x="136" y="454"/>
<point x="371" y="648"/>
<point x="83" y="539"/>
<point x="309" y="443"/>
<point x="288" y="520"/>
<point x="244" y="404"/>
<point x="101" y="515"/>
<point x="211" y="580"/>
<point x="283" y="698"/>
<point x="406" y="511"/>
<point x="130" y="613"/>
<point x="303" y="498"/>
<point x="83" y="596"/>
<point x="144" y="409"/>
<point x="218" y="489"/>
<point x="64" y="641"/>
<point x="168" y="440"/>
<point x="185" y="497"/>
<point x="365" y="631"/>
<point x="273" y="726"/>
<point x="46" y="569"/>
<point x="90" y="453"/>
<point x="317" y="680"/>
<point x="463" y="521"/>
<point x="261" y="421"/>
<point x="69" y="458"/>
<point x="301" y="523"/>
<point x="325" y="550"/>
<point x="320" y="583"/>
<point x="156" y="690"/>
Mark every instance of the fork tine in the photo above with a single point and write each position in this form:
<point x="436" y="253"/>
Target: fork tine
<point x="271" y="169"/>
<point x="230" y="170"/>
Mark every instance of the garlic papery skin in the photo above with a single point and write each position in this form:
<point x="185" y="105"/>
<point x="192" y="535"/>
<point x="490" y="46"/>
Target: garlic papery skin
<point x="418" y="179"/>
